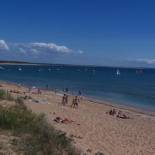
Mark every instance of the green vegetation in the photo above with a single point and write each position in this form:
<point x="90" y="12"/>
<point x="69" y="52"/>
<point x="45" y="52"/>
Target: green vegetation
<point x="36" y="136"/>
<point x="5" y="95"/>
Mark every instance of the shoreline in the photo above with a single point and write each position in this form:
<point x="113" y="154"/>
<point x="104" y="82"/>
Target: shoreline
<point x="94" y="100"/>
<point x="120" y="106"/>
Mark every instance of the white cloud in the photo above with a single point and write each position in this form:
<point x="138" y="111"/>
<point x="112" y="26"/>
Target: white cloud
<point x="37" y="51"/>
<point x="146" y="61"/>
<point x="41" y="48"/>
<point x="22" y="50"/>
<point x="3" y="45"/>
<point x="51" y="47"/>
<point x="80" y="52"/>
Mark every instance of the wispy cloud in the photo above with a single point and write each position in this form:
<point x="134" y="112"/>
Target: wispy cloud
<point x="145" y="61"/>
<point x="51" y="47"/>
<point x="39" y="50"/>
<point x="3" y="45"/>
<point x="80" y="51"/>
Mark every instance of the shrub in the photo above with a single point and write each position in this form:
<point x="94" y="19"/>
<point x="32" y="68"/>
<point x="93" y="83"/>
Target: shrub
<point x="19" y="100"/>
<point x="5" y="95"/>
<point x="37" y="136"/>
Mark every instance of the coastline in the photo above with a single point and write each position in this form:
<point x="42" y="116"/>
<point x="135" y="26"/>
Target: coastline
<point x="139" y="101"/>
<point x="94" y="100"/>
<point x="120" y="106"/>
<point x="91" y="128"/>
<point x="20" y="64"/>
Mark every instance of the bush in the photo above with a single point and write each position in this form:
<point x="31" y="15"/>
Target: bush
<point x="5" y="95"/>
<point x="37" y="136"/>
<point x="19" y="100"/>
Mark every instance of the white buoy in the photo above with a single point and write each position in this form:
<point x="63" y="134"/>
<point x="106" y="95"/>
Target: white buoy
<point x="19" y="69"/>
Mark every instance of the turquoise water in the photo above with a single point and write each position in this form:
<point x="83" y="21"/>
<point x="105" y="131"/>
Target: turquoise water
<point x="131" y="87"/>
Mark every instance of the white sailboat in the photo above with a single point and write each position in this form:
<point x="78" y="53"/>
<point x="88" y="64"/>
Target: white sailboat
<point x="118" y="72"/>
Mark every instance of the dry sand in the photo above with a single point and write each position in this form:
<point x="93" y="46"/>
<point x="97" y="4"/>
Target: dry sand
<point x="93" y="130"/>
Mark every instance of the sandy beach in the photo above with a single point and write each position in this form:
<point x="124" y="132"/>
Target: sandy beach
<point x="91" y="127"/>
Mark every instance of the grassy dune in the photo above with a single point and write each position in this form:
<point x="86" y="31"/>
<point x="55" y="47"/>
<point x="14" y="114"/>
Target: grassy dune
<point x="36" y="136"/>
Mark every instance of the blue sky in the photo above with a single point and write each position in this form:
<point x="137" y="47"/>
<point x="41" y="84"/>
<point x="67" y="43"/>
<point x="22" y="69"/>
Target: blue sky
<point x="97" y="32"/>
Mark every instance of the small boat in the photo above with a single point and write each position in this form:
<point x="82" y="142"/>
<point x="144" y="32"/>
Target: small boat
<point x="118" y="72"/>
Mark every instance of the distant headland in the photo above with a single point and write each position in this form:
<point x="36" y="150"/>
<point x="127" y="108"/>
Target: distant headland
<point x="8" y="62"/>
<point x="11" y="62"/>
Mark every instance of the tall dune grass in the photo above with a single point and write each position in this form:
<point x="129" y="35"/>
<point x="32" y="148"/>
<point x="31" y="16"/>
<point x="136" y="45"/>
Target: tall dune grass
<point x="36" y="135"/>
<point x="5" y="95"/>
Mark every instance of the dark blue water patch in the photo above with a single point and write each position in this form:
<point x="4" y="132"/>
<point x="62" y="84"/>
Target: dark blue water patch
<point x="132" y="87"/>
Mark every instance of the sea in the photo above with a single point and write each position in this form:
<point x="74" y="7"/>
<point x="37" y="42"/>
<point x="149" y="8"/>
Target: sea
<point x="123" y="86"/>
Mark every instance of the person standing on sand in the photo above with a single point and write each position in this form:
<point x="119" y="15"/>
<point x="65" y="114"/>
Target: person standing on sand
<point x="64" y="99"/>
<point x="75" y="102"/>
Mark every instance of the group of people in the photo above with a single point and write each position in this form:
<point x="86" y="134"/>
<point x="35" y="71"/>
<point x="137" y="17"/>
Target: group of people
<point x="75" y="101"/>
<point x="118" y="114"/>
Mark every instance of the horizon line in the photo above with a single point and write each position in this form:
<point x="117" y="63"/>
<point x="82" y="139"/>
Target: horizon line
<point x="9" y="62"/>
